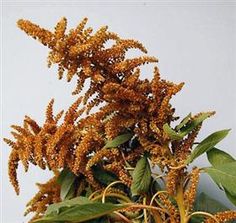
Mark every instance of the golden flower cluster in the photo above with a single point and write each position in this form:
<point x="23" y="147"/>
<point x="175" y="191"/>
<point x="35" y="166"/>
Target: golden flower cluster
<point x="127" y="104"/>
<point x="225" y="216"/>
<point x="46" y="146"/>
<point x="84" y="55"/>
<point x="170" y="207"/>
<point x="190" y="193"/>
<point x="140" y="106"/>
<point x="49" y="193"/>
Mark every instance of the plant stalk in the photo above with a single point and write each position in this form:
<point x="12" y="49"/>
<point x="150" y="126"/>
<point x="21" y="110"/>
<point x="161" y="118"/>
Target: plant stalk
<point x="180" y="202"/>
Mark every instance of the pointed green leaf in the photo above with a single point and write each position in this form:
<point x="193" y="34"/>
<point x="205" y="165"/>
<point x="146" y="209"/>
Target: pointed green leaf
<point x="231" y="197"/>
<point x="71" y="193"/>
<point x="57" y="207"/>
<point x="207" y="144"/>
<point x="83" y="212"/>
<point x="66" y="179"/>
<point x="218" y="157"/>
<point x="206" y="203"/>
<point x="186" y="126"/>
<point x="62" y="175"/>
<point x="183" y="122"/>
<point x="224" y="175"/>
<point x="195" y="122"/>
<point x="141" y="177"/>
<point x="119" y="140"/>
<point x="171" y="133"/>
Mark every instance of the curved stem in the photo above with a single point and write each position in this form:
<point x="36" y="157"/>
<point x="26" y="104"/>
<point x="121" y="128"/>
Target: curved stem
<point x="120" y="196"/>
<point x="106" y="189"/>
<point x="156" y="215"/>
<point x="92" y="195"/>
<point x="159" y="177"/>
<point x="129" y="168"/>
<point x="140" y="216"/>
<point x="133" y="205"/>
<point x="122" y="217"/>
<point x="202" y="213"/>
<point x="177" y="167"/>
<point x="155" y="195"/>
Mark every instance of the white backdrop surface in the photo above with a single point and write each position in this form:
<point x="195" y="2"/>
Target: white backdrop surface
<point x="194" y="42"/>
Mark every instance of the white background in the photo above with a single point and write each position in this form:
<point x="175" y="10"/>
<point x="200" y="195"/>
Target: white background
<point x="194" y="41"/>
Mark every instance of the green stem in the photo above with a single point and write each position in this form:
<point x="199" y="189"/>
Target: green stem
<point x="145" y="211"/>
<point x="180" y="202"/>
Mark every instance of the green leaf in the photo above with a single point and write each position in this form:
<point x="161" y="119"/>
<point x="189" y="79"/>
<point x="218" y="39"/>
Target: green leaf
<point x="58" y="207"/>
<point x="66" y="179"/>
<point x="218" y="157"/>
<point x="186" y="126"/>
<point x="224" y="175"/>
<point x="231" y="197"/>
<point x="82" y="212"/>
<point x="195" y="122"/>
<point x="71" y="192"/>
<point x="206" y="203"/>
<point x="171" y="133"/>
<point x="141" y="177"/>
<point x="118" y="140"/>
<point x="183" y="122"/>
<point x="62" y="175"/>
<point x="207" y="144"/>
<point x="103" y="176"/>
